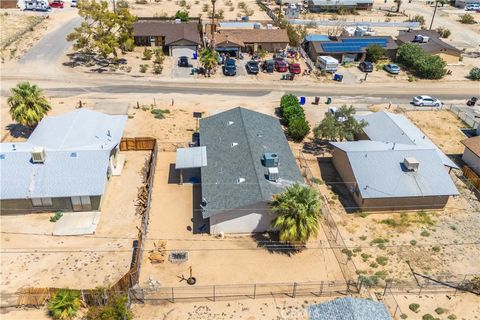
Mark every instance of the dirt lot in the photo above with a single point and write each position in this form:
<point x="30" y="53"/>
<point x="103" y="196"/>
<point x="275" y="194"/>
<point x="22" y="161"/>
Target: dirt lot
<point x="106" y="255"/>
<point x="196" y="8"/>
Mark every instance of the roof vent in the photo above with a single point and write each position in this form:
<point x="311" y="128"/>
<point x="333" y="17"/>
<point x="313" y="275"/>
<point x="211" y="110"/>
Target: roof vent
<point x="230" y="123"/>
<point x="2" y="156"/>
<point x="73" y="155"/>
<point x="240" y="180"/>
<point x="411" y="164"/>
<point x="270" y="160"/>
<point x="38" y="155"/>
<point x="273" y="174"/>
<point x="234" y="144"/>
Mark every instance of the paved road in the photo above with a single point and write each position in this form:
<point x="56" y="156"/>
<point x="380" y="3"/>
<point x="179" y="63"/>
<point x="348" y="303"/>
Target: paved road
<point x="53" y="46"/>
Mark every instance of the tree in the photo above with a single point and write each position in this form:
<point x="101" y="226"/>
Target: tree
<point x="182" y="15"/>
<point x="298" y="129"/>
<point x="64" y="304"/>
<point x="296" y="34"/>
<point x="103" y="32"/>
<point x="408" y="53"/>
<point x="430" y="67"/>
<point x="339" y="126"/>
<point x="375" y="52"/>
<point x="208" y="59"/>
<point x="27" y="104"/>
<point x="290" y="108"/>
<point x="297" y="209"/>
<point x="474" y="74"/>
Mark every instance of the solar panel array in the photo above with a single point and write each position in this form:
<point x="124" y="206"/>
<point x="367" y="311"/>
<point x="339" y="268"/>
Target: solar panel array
<point x="353" y="44"/>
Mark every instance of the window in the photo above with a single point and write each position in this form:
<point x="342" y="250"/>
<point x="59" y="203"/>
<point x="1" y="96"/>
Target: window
<point x="81" y="203"/>
<point x="42" y="202"/>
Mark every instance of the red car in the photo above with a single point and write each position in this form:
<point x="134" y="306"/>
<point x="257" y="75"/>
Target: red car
<point x="295" y="68"/>
<point x="57" y="4"/>
<point x="281" y="66"/>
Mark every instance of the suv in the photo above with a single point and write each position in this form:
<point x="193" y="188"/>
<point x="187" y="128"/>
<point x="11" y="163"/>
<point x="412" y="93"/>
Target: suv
<point x="252" y="67"/>
<point x="472" y="7"/>
<point x="229" y="69"/>
<point x="57" y="4"/>
<point x="426" y="101"/>
<point x="73" y="3"/>
<point x="183" y="62"/>
<point x="366" y="66"/>
<point x="295" y="68"/>
<point x="281" y="66"/>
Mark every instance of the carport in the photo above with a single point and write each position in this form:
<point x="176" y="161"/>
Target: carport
<point x="183" y="50"/>
<point x="190" y="158"/>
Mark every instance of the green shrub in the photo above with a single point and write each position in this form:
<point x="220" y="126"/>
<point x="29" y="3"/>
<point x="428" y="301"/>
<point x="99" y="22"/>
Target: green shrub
<point x="379" y="241"/>
<point x="474" y="73"/>
<point x="157" y="68"/>
<point x="373" y="265"/>
<point x="115" y="309"/>
<point x="348" y="253"/>
<point x="428" y="317"/>
<point x="64" y="304"/>
<point x="418" y="18"/>
<point x="420" y="63"/>
<point x="363" y="238"/>
<point x="436" y="248"/>
<point x="414" y="307"/>
<point x="147" y="54"/>
<point x="362" y="214"/>
<point x="298" y="128"/>
<point x="381" y="260"/>
<point x="381" y="274"/>
<point x="365" y="256"/>
<point x="440" y="310"/>
<point x="413" y="242"/>
<point x="467" y="19"/>
<point x="159" y="113"/>
<point x="452" y="317"/>
<point x="369" y="281"/>
<point x="444" y="32"/>
<point x="182" y="15"/>
<point x="425" y="233"/>
<point x="56" y="216"/>
<point x="143" y="68"/>
<point x="375" y="52"/>
<point x="403" y="316"/>
<point x="123" y="4"/>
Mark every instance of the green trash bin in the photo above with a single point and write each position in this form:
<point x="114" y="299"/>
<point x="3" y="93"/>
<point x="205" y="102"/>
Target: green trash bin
<point x="329" y="100"/>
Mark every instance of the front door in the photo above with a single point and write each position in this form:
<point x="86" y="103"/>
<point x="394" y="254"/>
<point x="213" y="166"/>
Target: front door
<point x="81" y="203"/>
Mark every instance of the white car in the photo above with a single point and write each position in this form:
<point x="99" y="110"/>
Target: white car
<point x="426" y="101"/>
<point x="472" y="7"/>
<point x="73" y="3"/>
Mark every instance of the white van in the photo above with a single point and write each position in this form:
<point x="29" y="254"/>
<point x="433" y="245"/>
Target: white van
<point x="73" y="3"/>
<point x="327" y="64"/>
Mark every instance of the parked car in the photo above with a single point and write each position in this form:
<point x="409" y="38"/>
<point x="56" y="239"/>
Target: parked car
<point x="268" y="66"/>
<point x="472" y="101"/>
<point x="366" y="66"/>
<point x="426" y="101"/>
<point x="57" y="4"/>
<point x="252" y="67"/>
<point x="73" y="3"/>
<point x="183" y="62"/>
<point x="281" y="65"/>
<point x="392" y="68"/>
<point x="472" y="7"/>
<point x="294" y="68"/>
<point x="230" y="69"/>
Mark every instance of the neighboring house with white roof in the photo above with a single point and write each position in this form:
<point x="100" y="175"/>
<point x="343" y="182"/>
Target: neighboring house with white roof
<point x="471" y="154"/>
<point x="63" y="166"/>
<point x="400" y="169"/>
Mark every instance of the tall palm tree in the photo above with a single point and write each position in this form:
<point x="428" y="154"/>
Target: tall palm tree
<point x="64" y="304"/>
<point x="298" y="213"/>
<point x="27" y="104"/>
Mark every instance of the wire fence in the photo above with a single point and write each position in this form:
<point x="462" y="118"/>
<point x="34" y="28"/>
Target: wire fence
<point x="243" y="291"/>
<point x="464" y="116"/>
<point x="334" y="237"/>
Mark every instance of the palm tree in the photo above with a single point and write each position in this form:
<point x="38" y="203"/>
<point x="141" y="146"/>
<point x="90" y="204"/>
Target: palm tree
<point x="298" y="213"/>
<point x="27" y="104"/>
<point x="64" y="304"/>
<point x="208" y="59"/>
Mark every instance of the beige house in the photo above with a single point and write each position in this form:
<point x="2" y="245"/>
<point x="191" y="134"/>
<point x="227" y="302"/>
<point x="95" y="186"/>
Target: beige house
<point x="471" y="155"/>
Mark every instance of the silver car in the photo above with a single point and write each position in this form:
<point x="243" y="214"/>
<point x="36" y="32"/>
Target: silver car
<point x="426" y="101"/>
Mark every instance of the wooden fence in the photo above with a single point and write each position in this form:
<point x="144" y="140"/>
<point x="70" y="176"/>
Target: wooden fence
<point x="137" y="144"/>
<point x="471" y="176"/>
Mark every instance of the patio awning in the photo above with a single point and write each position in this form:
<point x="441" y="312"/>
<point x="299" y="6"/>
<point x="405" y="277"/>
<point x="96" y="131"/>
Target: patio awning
<point x="187" y="158"/>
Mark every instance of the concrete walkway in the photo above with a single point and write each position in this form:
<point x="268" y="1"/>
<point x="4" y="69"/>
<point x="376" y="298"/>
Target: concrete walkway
<point x="77" y="223"/>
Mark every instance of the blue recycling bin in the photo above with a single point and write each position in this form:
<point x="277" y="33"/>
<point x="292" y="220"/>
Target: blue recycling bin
<point x="303" y="100"/>
<point x="337" y="77"/>
<point x="195" y="55"/>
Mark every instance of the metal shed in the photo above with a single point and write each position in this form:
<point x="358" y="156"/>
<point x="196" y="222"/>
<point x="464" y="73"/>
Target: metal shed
<point x="190" y="158"/>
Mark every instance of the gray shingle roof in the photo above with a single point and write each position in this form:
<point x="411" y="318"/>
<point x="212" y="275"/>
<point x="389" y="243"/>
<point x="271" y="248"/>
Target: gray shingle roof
<point x="379" y="172"/>
<point x="254" y="134"/>
<point x="389" y="127"/>
<point x="349" y="309"/>
<point x="77" y="147"/>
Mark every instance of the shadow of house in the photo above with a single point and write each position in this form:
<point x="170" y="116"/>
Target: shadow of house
<point x="333" y="180"/>
<point x="19" y="131"/>
<point x="270" y="241"/>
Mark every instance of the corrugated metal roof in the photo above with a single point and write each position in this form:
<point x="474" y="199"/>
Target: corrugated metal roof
<point x="235" y="176"/>
<point x="379" y="173"/>
<point x="389" y="127"/>
<point x="195" y="157"/>
<point x="349" y="309"/>
<point x="77" y="148"/>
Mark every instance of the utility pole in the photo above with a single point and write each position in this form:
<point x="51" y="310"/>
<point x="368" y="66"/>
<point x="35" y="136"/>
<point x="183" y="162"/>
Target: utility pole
<point x="213" y="24"/>
<point x="114" y="7"/>
<point x="434" y="11"/>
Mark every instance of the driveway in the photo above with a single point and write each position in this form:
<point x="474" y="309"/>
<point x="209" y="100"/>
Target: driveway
<point x="183" y="72"/>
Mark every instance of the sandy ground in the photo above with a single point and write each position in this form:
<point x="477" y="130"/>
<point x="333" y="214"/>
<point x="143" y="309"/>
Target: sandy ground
<point x="442" y="127"/>
<point x="168" y="8"/>
<point x="106" y="256"/>
<point x="17" y="20"/>
<point x="218" y="261"/>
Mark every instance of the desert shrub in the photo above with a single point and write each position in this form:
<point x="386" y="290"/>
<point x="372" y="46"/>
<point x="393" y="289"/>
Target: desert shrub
<point x="182" y="15"/>
<point x="381" y="260"/>
<point x="425" y="233"/>
<point x="157" y="68"/>
<point x="123" y="4"/>
<point x="64" y="304"/>
<point x="413" y="242"/>
<point x="403" y="316"/>
<point x="141" y="1"/>
<point x="56" y="216"/>
<point x="379" y="241"/>
<point x="440" y="310"/>
<point x="474" y="73"/>
<point x="363" y="238"/>
<point x="365" y="256"/>
<point x="369" y="281"/>
<point x="381" y="274"/>
<point x="414" y="307"/>
<point x="147" y="54"/>
<point x="452" y="317"/>
<point x="418" y="18"/>
<point x="373" y="265"/>
<point x="205" y="7"/>
<point x="159" y="113"/>
<point x="436" y="248"/>
<point x="420" y="63"/>
<point x="182" y="3"/>
<point x="348" y="253"/>
<point x="428" y="316"/>
<point x="444" y="32"/>
<point x="143" y="68"/>
<point x="467" y="19"/>
<point x="115" y="309"/>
